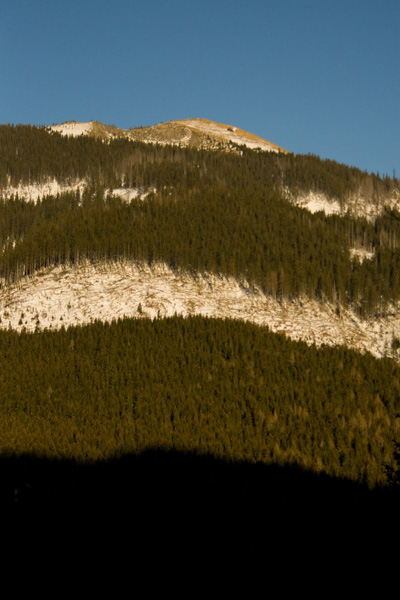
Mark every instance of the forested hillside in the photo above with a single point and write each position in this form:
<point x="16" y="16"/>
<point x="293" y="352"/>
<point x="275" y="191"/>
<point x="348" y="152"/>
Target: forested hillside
<point x="207" y="211"/>
<point x="218" y="387"/>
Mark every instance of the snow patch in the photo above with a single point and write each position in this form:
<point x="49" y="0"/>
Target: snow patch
<point x="67" y="296"/>
<point x="361" y="254"/>
<point x="317" y="202"/>
<point x="35" y="191"/>
<point x="129" y="194"/>
<point x="72" y="128"/>
<point x="356" y="204"/>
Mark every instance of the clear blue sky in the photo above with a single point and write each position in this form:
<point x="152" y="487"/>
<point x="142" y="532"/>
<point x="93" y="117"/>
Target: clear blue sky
<point x="319" y="76"/>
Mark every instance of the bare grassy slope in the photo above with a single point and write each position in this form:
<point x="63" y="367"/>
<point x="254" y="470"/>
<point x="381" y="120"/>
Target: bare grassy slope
<point x="198" y="133"/>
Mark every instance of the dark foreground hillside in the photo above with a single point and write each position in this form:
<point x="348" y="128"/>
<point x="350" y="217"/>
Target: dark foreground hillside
<point x="217" y="388"/>
<point x="172" y="488"/>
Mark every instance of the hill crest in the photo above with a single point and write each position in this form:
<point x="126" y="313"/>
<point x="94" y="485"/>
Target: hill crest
<point x="200" y="133"/>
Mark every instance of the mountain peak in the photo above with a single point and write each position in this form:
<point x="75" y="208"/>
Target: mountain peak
<point x="228" y="133"/>
<point x="198" y="132"/>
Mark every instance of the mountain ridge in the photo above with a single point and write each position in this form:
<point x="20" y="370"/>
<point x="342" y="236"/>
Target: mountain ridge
<point x="200" y="133"/>
<point x="203" y="134"/>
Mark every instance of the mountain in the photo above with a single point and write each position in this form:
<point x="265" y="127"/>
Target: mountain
<point x="320" y="187"/>
<point x="196" y="133"/>
<point x="191" y="286"/>
<point x="367" y="199"/>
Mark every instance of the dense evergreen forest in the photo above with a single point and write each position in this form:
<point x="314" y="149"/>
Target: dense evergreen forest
<point x="208" y="211"/>
<point x="213" y="387"/>
<point x="218" y="388"/>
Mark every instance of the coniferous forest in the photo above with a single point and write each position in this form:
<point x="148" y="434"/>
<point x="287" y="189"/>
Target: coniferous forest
<point x="218" y="387"/>
<point x="199" y="387"/>
<point x="207" y="211"/>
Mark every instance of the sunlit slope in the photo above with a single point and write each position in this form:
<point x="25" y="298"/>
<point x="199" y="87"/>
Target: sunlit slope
<point x="201" y="133"/>
<point x="67" y="296"/>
